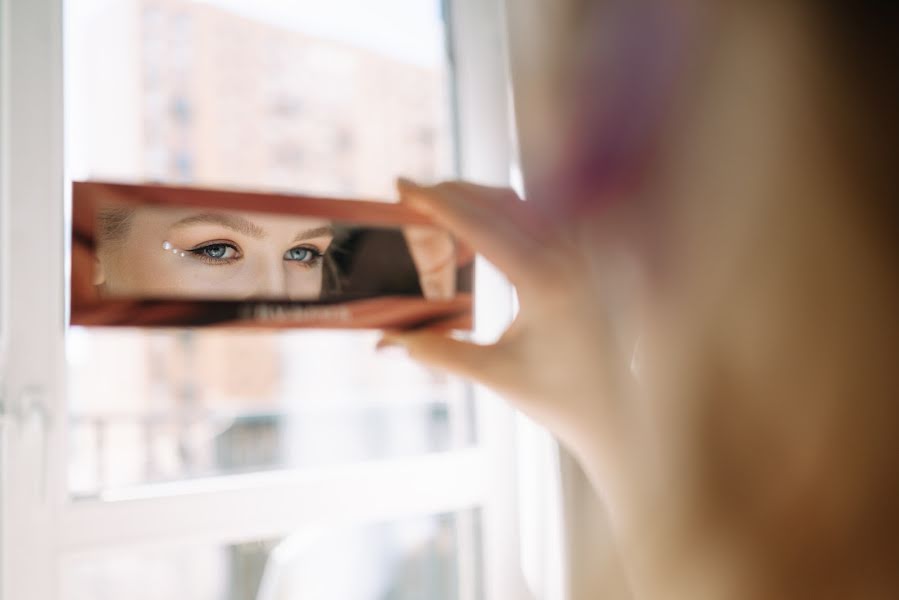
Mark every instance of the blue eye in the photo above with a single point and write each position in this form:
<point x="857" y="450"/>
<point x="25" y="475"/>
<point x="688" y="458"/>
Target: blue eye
<point x="302" y="254"/>
<point x="217" y="253"/>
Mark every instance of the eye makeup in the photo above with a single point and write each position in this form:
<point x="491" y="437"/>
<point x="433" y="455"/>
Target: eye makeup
<point x="304" y="256"/>
<point x="220" y="253"/>
<point x="217" y="252"/>
<point x="169" y="247"/>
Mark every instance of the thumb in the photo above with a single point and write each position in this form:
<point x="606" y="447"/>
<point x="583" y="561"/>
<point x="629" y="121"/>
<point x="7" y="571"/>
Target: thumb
<point x="436" y="350"/>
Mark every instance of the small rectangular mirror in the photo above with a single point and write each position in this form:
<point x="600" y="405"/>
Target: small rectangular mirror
<point x="170" y="256"/>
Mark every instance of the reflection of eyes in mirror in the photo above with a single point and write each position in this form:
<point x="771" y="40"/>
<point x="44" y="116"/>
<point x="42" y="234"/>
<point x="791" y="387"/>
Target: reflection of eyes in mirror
<point x="180" y="252"/>
<point x="226" y="253"/>
<point x="183" y="252"/>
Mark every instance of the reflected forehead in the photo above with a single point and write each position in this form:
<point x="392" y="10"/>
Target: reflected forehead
<point x="292" y="227"/>
<point x="234" y="221"/>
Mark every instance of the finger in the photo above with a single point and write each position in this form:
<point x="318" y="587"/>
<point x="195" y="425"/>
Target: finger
<point x="500" y="203"/>
<point x="434" y="255"/>
<point x="467" y="213"/>
<point x="507" y="203"/>
<point x="436" y="350"/>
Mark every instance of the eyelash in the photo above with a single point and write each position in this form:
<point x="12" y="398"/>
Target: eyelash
<point x="199" y="252"/>
<point x="317" y="255"/>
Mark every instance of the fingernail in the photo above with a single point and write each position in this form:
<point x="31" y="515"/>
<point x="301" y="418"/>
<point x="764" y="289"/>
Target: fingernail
<point x="404" y="183"/>
<point x="417" y="202"/>
<point x="436" y="290"/>
<point x="408" y="196"/>
<point x="388" y="342"/>
<point x="390" y="348"/>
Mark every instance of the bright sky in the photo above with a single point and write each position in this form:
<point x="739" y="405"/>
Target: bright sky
<point x="409" y="30"/>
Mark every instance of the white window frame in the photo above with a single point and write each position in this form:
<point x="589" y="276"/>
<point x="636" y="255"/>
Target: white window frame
<point x="39" y="524"/>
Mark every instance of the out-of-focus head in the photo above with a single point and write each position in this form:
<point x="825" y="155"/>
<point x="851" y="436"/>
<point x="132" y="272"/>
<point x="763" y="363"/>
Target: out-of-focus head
<point x="608" y="93"/>
<point x="714" y="134"/>
<point x="740" y="154"/>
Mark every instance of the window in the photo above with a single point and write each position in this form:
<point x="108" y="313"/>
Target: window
<point x="413" y="558"/>
<point x="234" y="82"/>
<point x="225" y="463"/>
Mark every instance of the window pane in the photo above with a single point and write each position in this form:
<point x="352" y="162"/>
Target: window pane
<point x="166" y="406"/>
<point x="334" y="98"/>
<point x="431" y="557"/>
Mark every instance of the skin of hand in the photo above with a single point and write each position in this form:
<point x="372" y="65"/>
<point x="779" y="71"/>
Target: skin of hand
<point x="561" y="361"/>
<point x="433" y="252"/>
<point x="561" y="328"/>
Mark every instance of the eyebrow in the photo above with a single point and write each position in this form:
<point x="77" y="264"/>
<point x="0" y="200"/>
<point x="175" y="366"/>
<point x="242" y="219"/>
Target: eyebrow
<point x="232" y="222"/>
<point x="247" y="227"/>
<point x="314" y="233"/>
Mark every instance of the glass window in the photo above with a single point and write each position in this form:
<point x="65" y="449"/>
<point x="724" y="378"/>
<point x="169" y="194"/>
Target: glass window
<point x="163" y="406"/>
<point x="423" y="557"/>
<point x="330" y="97"/>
